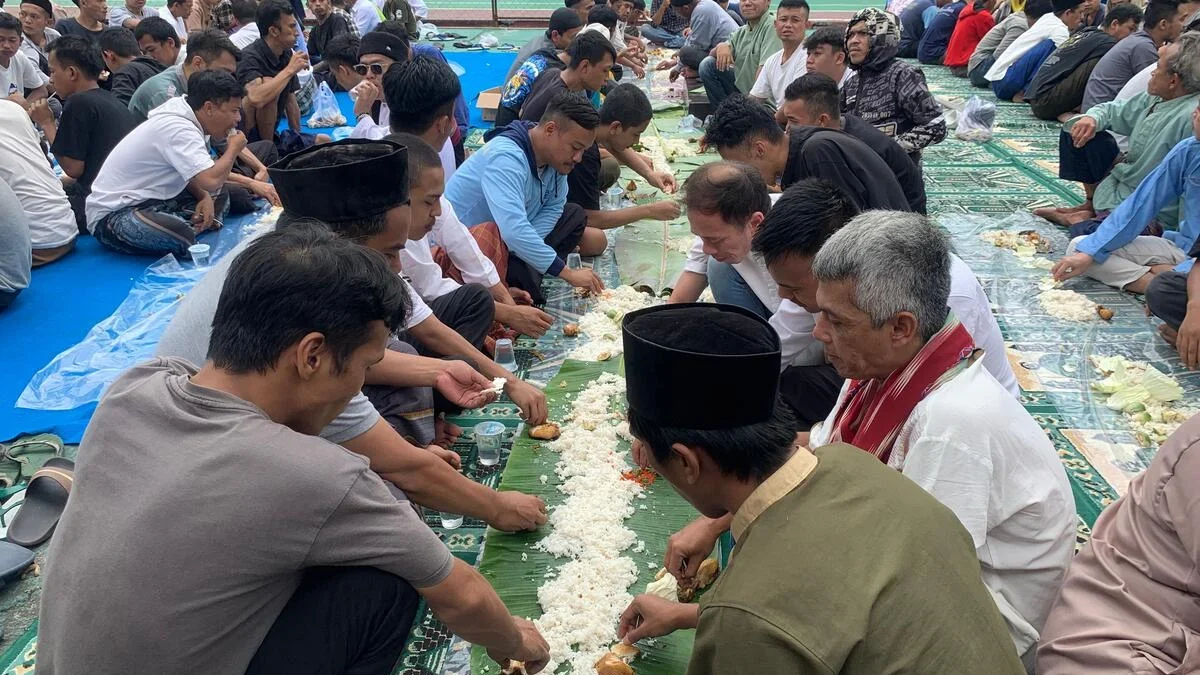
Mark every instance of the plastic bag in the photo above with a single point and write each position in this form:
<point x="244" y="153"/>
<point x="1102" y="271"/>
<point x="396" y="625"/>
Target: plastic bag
<point x="976" y="120"/>
<point x="488" y="41"/>
<point x="326" y="112"/>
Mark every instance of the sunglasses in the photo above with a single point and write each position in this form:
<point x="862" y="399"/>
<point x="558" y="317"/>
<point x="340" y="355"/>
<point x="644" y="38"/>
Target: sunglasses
<point x="374" y="69"/>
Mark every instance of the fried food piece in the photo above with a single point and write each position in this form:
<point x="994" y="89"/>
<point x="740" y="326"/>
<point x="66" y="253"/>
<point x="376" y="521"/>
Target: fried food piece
<point x="514" y="668"/>
<point x="571" y="329"/>
<point x="707" y="573"/>
<point x="1104" y="312"/>
<point x="545" y="432"/>
<point x="611" y="664"/>
<point x="626" y="653"/>
<point x="631" y="186"/>
<point x="604" y="356"/>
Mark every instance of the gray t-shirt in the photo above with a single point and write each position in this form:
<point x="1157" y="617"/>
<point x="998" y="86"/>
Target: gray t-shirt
<point x="186" y="337"/>
<point x="710" y="26"/>
<point x="192" y="519"/>
<point x="1127" y="58"/>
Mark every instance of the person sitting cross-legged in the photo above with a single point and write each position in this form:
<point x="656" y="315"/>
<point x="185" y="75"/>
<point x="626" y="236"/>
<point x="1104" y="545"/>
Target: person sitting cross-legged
<point x="45" y="222"/>
<point x="973" y="23"/>
<point x="913" y="19"/>
<point x="993" y="44"/>
<point x="1013" y="71"/>
<point x="708" y="26"/>
<point x="789" y="63"/>
<point x="377" y="51"/>
<point x="329" y="25"/>
<point x="339" y="60"/>
<point x="36" y="17"/>
<point x="736" y="62"/>
<point x="932" y="47"/>
<point x="665" y="26"/>
<point x="129" y="13"/>
<point x="127" y="67"/>
<point x="826" y="54"/>
<point x="885" y="579"/>
<point x="589" y="60"/>
<point x="309" y="563"/>
<point x="20" y="79"/>
<point x="176" y="13"/>
<point x="564" y="26"/>
<point x="1163" y="22"/>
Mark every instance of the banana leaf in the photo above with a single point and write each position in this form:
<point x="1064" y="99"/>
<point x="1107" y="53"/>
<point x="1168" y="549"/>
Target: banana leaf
<point x="517" y="580"/>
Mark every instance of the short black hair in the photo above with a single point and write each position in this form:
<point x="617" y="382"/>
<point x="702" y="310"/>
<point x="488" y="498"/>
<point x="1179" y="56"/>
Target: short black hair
<point x="120" y="41"/>
<point x="639" y="5"/>
<point x="10" y="22"/>
<point x="394" y="27"/>
<point x="81" y="52"/>
<point x="819" y="93"/>
<point x="1158" y="11"/>
<point x="175" y="2"/>
<point x="213" y="85"/>
<point x="826" y="35"/>
<point x="807" y="215"/>
<point x="208" y="43"/>
<point x="342" y="49"/>
<point x="571" y="3"/>
<point x="604" y="15"/>
<point x="421" y="155"/>
<point x="157" y="28"/>
<point x="570" y="106"/>
<point x="626" y="104"/>
<point x="289" y="283"/>
<point x="1036" y="9"/>
<point x="590" y="47"/>
<point x="751" y="452"/>
<point x="1123" y="13"/>
<point x="418" y="92"/>
<point x="269" y="13"/>
<point x="739" y="120"/>
<point x="245" y="11"/>
<point x="734" y="190"/>
<point x="794" y="4"/>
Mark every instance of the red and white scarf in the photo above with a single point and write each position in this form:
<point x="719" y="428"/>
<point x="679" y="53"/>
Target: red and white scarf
<point x="875" y="410"/>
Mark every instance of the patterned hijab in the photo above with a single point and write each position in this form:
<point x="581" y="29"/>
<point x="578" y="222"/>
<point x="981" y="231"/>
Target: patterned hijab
<point x="885" y="36"/>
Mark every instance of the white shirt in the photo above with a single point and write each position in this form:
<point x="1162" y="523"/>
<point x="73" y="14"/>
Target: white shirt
<point x="155" y="161"/>
<point x="25" y="169"/>
<point x="419" y="8"/>
<point x="118" y="14"/>
<point x="845" y="78"/>
<point x="425" y="275"/>
<point x="618" y="37"/>
<point x="245" y="35"/>
<point x="366" y="16"/>
<point x="1048" y="26"/>
<point x="21" y="74"/>
<point x="974" y="311"/>
<point x="753" y="269"/>
<point x="180" y="27"/>
<point x="977" y="451"/>
<point x="1136" y="84"/>
<point x="420" y="310"/>
<point x="777" y="74"/>
<point x="369" y="128"/>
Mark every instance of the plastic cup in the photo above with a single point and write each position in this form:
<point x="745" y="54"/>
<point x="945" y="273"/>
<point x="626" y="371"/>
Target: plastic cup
<point x="489" y="436"/>
<point x="574" y="261"/>
<point x="614" y="195"/>
<point x="450" y="521"/>
<point x="199" y="253"/>
<point x="506" y="358"/>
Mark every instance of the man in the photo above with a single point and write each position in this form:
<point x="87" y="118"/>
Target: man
<point x="285" y="580"/>
<point x="1154" y="122"/>
<point x="708" y="26"/>
<point x="888" y="583"/>
<point x="329" y="25"/>
<point x="377" y="51"/>
<point x="993" y="44"/>
<point x="518" y="180"/>
<point x="1163" y="23"/>
<point x="1117" y="255"/>
<point x="176" y="13"/>
<point x="564" y="25"/>
<point x="93" y="120"/>
<point x="666" y="26"/>
<point x="267" y="70"/>
<point x="154" y="193"/>
<point x="736" y="62"/>
<point x="1014" y="69"/>
<point x="744" y="131"/>
<point x="15" y="259"/>
<point x="785" y="65"/>
<point x="422" y="92"/>
<point x="36" y="17"/>
<point x="517" y="89"/>
<point x="129" y="13"/>
<point x="366" y="15"/>
<point x="377" y="214"/>
<point x="931" y="49"/>
<point x="136" y="69"/>
<point x="581" y="8"/>
<point x="826" y="54"/>
<point x="812" y="101"/>
<point x="339" y="60"/>
<point x="46" y="220"/>
<point x="590" y="58"/>
<point x="90" y="21"/>
<point x="973" y="23"/>
<point x="209" y="49"/>
<point x="885" y="91"/>
<point x="913" y="19"/>
<point x="20" y="79"/>
<point x="1057" y="89"/>
<point x="245" y="14"/>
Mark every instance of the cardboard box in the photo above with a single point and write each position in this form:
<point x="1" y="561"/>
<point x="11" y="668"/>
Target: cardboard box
<point x="489" y="103"/>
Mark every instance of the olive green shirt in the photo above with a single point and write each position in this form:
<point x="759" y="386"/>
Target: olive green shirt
<point x="850" y="567"/>
<point x="751" y="47"/>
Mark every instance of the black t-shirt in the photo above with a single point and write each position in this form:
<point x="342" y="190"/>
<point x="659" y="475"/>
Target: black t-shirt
<point x="73" y="27"/>
<point x="321" y="34"/>
<point x="908" y="174"/>
<point x="92" y="124"/>
<point x="583" y="182"/>
<point x="259" y="61"/>
<point x="547" y="85"/>
<point x="131" y="76"/>
<point x="845" y="161"/>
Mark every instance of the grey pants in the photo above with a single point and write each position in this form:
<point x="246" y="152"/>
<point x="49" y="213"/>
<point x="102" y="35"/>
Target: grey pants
<point x="1167" y="297"/>
<point x="468" y="311"/>
<point x="408" y="409"/>
<point x="16" y="257"/>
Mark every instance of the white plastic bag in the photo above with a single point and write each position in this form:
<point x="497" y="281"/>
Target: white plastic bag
<point x="976" y="120"/>
<point x="488" y="41"/>
<point x="326" y="112"/>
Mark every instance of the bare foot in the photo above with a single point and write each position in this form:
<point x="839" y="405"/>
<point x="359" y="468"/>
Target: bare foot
<point x="1066" y="116"/>
<point x="1169" y="334"/>
<point x="446" y="433"/>
<point x="1064" y="219"/>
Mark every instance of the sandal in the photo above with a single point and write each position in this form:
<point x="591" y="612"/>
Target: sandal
<point x="45" y="500"/>
<point x="21" y="459"/>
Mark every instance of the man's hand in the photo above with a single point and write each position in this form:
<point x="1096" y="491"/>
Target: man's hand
<point x="1188" y="339"/>
<point x="528" y="320"/>
<point x="639" y="71"/>
<point x="1083" y="131"/>
<point x="266" y="191"/>
<point x="202" y="219"/>
<point x="582" y="278"/>
<point x="40" y="113"/>
<point x="367" y="95"/>
<point x="518" y="512"/>
<point x="724" y="56"/>
<point x="533" y="651"/>
<point x="446" y="455"/>
<point x="667" y="209"/>
<point x="298" y="62"/>
<point x="262" y="174"/>
<point x="687" y="548"/>
<point x="530" y="399"/>
<point x="462" y="385"/>
<point x="1071" y="266"/>
<point x="666" y="64"/>
<point x="663" y="180"/>
<point x="674" y="74"/>
<point x="237" y="142"/>
<point x="520" y="295"/>
<point x="650" y="616"/>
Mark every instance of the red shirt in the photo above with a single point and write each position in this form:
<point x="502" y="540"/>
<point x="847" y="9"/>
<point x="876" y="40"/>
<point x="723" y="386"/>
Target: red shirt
<point x="972" y="25"/>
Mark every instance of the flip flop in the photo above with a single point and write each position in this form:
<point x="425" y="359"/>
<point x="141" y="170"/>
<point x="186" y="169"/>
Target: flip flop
<point x="13" y="561"/>
<point x="9" y="510"/>
<point x="45" y="499"/>
<point x="21" y="459"/>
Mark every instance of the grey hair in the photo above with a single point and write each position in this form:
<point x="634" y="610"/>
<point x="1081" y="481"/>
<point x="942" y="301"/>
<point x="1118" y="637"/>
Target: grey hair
<point x="1186" y="61"/>
<point x="899" y="262"/>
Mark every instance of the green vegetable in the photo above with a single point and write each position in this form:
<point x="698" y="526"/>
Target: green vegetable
<point x="1159" y="386"/>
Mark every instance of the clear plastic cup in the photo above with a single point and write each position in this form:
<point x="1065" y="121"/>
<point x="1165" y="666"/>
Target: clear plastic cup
<point x="614" y="195"/>
<point x="574" y="261"/>
<point x="199" y="253"/>
<point x="506" y="358"/>
<point x="489" y="436"/>
<point x="450" y="521"/>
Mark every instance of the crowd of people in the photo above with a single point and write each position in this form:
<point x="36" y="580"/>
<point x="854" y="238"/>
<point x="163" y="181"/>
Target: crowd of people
<point x="294" y="417"/>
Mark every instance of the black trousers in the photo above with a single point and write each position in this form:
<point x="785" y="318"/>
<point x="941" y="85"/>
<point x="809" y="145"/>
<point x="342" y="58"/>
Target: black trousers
<point x="1065" y="96"/>
<point x="1166" y="296"/>
<point x="241" y="200"/>
<point x="341" y="620"/>
<point x="1089" y="164"/>
<point x="468" y="311"/>
<point x="563" y="239"/>
<point x="811" y="392"/>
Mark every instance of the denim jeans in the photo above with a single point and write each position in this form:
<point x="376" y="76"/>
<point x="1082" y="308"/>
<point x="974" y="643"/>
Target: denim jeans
<point x="660" y="35"/>
<point x="729" y="288"/>
<point x="155" y="227"/>
<point x="718" y="84"/>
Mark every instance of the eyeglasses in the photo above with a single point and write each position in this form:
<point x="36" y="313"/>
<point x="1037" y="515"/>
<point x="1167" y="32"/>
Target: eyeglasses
<point x="363" y="69"/>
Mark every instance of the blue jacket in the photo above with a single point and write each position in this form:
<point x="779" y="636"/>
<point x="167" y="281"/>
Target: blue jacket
<point x="933" y="43"/>
<point x="502" y="183"/>
<point x="912" y="27"/>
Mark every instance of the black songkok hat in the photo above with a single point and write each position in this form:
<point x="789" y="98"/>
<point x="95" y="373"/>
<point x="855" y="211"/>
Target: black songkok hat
<point x="1064" y="5"/>
<point x="701" y="366"/>
<point x="386" y="44"/>
<point x="347" y="180"/>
